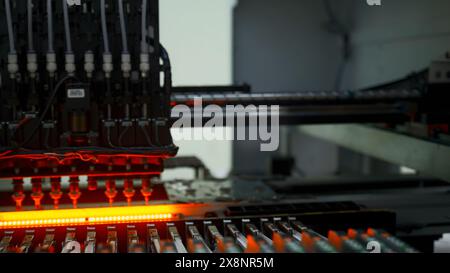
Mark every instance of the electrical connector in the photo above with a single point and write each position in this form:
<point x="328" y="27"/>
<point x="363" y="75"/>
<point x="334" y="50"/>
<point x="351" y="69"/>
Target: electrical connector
<point x="144" y="64"/>
<point x="32" y="65"/>
<point x="51" y="64"/>
<point x="107" y="64"/>
<point x="126" y="65"/>
<point x="70" y="64"/>
<point x="13" y="66"/>
<point x="89" y="65"/>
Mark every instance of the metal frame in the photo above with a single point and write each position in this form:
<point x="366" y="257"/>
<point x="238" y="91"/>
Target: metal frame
<point x="427" y="157"/>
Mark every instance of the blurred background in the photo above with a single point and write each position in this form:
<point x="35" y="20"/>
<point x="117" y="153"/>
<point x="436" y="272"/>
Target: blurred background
<point x="298" y="45"/>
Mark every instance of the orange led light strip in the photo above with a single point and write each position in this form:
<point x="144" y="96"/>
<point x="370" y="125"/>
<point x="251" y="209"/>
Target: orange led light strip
<point x="86" y="216"/>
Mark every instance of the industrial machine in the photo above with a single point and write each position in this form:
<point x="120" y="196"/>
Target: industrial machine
<point x="85" y="134"/>
<point x="74" y="106"/>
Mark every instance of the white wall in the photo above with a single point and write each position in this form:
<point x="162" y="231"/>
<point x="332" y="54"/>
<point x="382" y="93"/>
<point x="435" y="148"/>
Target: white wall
<point x="396" y="39"/>
<point x="282" y="45"/>
<point x="198" y="36"/>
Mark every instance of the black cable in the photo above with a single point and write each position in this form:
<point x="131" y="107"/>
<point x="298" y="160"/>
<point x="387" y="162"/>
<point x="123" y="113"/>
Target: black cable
<point x="147" y="137"/>
<point x="14" y="131"/>
<point x="46" y="109"/>
<point x="46" y="138"/>
<point x="50" y="85"/>
<point x="336" y="27"/>
<point x="108" y="88"/>
<point x="167" y="67"/>
<point x="165" y="57"/>
<point x="122" y="135"/>
<point x="108" y="137"/>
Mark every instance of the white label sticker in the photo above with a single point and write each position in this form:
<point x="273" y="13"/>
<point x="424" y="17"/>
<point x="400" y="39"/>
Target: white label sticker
<point x="75" y="93"/>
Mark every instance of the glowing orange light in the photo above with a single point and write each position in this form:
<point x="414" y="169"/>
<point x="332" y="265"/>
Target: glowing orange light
<point x="86" y="216"/>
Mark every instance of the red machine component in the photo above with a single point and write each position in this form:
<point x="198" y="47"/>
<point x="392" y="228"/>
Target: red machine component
<point x="146" y="189"/>
<point x="18" y="195"/>
<point x="96" y="164"/>
<point x="92" y="183"/>
<point x="111" y="191"/>
<point x="37" y="193"/>
<point x="128" y="189"/>
<point x="56" y="192"/>
<point x="90" y="163"/>
<point x="74" y="190"/>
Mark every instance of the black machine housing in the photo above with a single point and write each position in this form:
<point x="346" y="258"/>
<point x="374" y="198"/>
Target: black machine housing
<point x="61" y="113"/>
